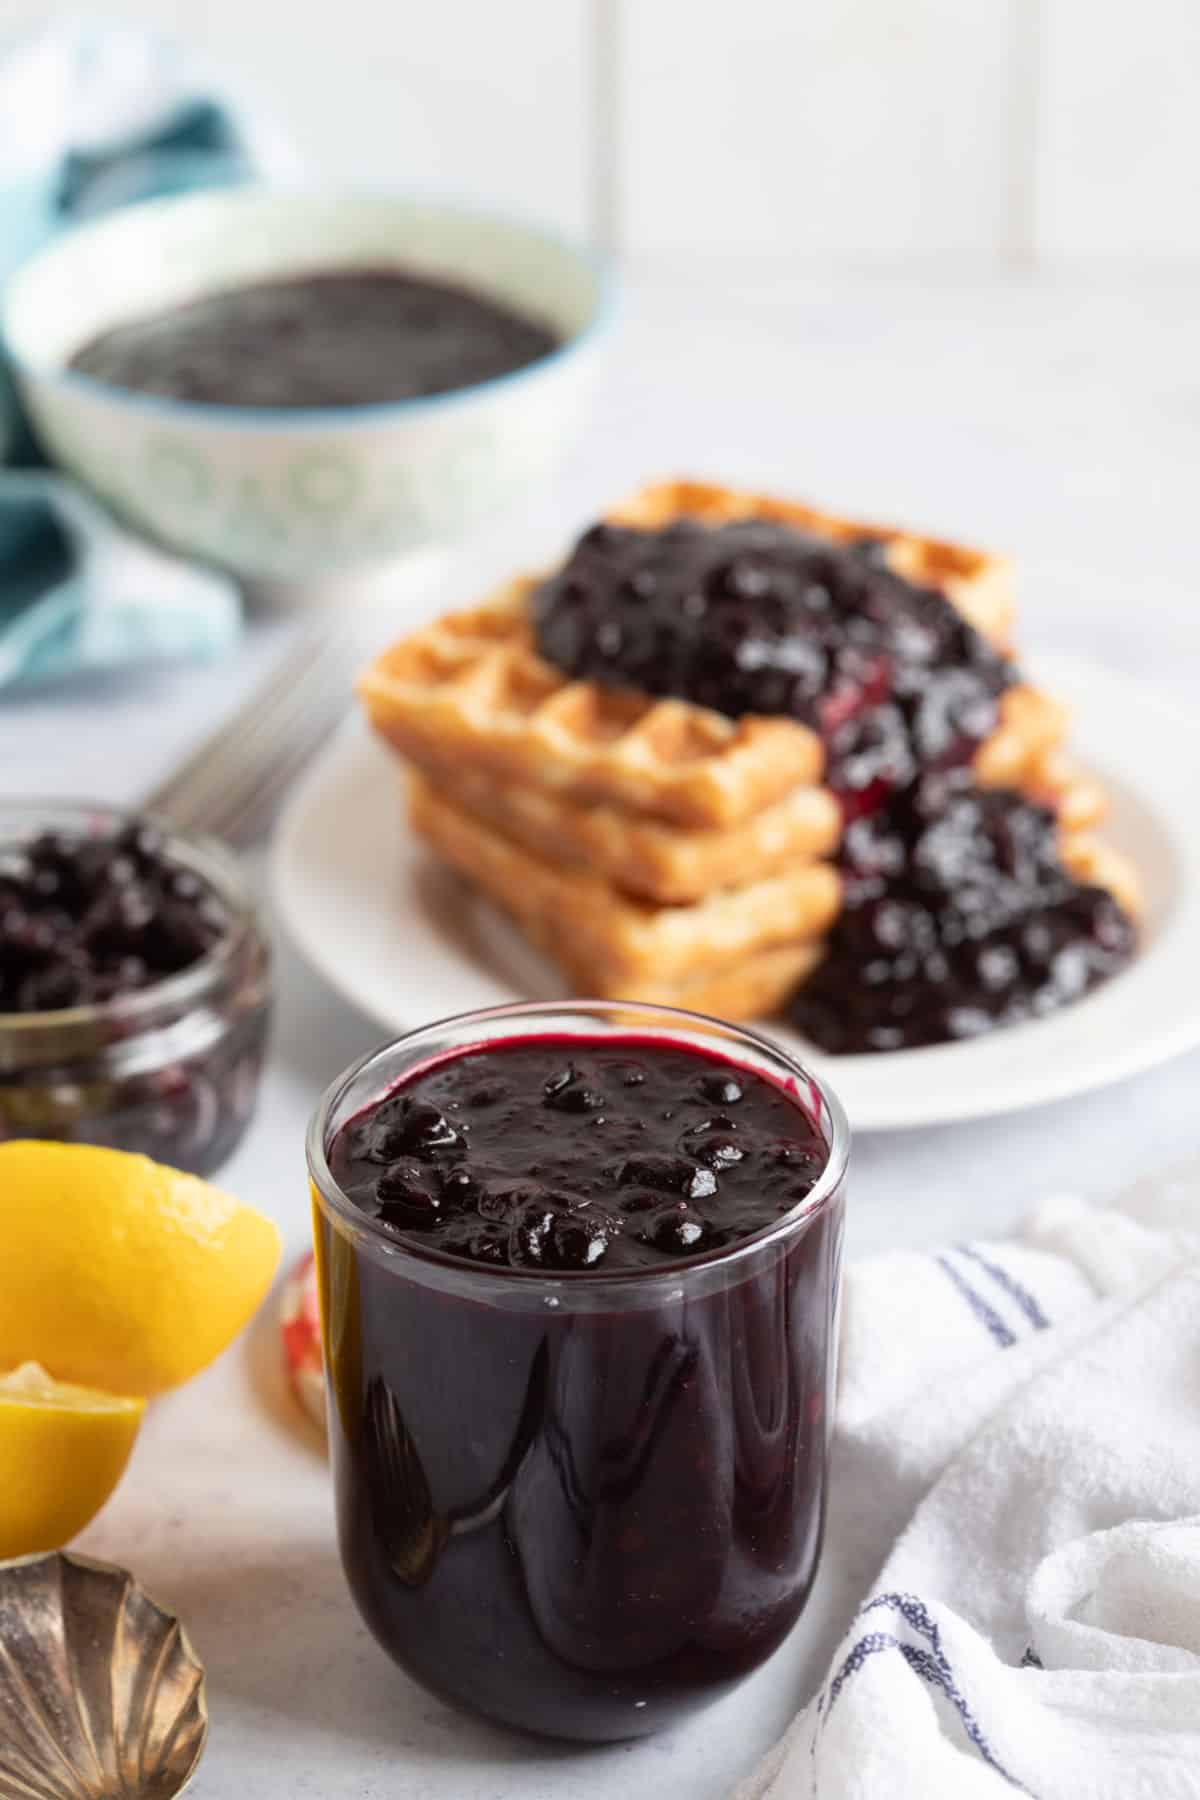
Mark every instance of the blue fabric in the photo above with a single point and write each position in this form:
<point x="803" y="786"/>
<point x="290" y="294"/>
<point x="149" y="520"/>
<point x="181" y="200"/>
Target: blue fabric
<point x="93" y="117"/>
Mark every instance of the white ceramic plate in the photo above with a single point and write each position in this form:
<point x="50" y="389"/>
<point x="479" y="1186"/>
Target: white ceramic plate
<point x="407" y="942"/>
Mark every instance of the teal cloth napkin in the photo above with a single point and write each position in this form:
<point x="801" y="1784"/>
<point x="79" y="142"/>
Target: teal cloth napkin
<point x="93" y="117"/>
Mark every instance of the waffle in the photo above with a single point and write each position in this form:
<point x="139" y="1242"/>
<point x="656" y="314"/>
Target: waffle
<point x="471" y="690"/>
<point x="1025" y="749"/>
<point x="978" y="581"/>
<point x="1056" y="781"/>
<point x="606" y="940"/>
<point x="673" y="868"/>
<point x="656" y="849"/>
<point x="649" y="860"/>
<point x="752" y="988"/>
<point x="1090" y="859"/>
<point x="1031" y="726"/>
<point x="693" y="956"/>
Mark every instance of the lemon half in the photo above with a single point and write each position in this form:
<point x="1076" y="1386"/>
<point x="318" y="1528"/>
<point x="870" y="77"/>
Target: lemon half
<point x="120" y="1273"/>
<point x="63" y="1450"/>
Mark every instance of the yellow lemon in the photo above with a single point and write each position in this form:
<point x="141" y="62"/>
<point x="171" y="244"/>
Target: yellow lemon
<point x="62" y="1452"/>
<point x="118" y="1272"/>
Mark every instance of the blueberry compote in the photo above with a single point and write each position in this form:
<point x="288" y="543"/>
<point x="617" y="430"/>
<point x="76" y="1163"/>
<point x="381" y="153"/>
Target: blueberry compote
<point x="580" y="1156"/>
<point x="337" y="337"/>
<point x="133" y="987"/>
<point x="958" y="915"/>
<point x="83" y="919"/>
<point x="581" y="1450"/>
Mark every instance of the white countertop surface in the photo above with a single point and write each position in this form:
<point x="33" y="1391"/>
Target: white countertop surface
<point x="1059" y="420"/>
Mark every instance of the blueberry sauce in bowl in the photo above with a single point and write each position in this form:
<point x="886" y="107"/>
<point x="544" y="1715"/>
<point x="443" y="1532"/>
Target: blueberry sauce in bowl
<point x="133" y="985"/>
<point x="958" y="915"/>
<point x="579" y="1270"/>
<point x="331" y="337"/>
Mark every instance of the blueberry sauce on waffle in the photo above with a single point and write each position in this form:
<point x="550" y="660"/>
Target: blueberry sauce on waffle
<point x="958" y="914"/>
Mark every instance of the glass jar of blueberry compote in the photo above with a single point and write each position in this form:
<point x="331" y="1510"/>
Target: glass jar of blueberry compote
<point x="134" y="985"/>
<point x="579" y="1268"/>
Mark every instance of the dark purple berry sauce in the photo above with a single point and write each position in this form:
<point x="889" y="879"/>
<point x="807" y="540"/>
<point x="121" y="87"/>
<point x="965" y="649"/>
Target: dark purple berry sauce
<point x="98" y="1043"/>
<point x="958" y="915"/>
<point x="84" y="919"/>
<point x="755" y="617"/>
<point x="345" y="337"/>
<point x="561" y="1153"/>
<point x="582" y="1507"/>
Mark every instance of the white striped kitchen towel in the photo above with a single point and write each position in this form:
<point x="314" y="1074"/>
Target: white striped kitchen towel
<point x="1020" y="1423"/>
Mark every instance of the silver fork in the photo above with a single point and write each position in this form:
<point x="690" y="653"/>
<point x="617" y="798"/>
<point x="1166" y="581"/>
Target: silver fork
<point x="232" y="785"/>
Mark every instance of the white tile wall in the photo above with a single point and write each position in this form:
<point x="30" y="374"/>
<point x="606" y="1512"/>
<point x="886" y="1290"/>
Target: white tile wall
<point x="799" y="130"/>
<point x="1119" y="128"/>
<point x="846" y="127"/>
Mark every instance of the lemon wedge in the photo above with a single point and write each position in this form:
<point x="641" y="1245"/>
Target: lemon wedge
<point x="63" y="1450"/>
<point x="119" y="1273"/>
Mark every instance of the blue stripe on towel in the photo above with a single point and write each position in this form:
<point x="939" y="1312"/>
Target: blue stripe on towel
<point x="1012" y="1287"/>
<point x="983" y="1310"/>
<point x="931" y="1664"/>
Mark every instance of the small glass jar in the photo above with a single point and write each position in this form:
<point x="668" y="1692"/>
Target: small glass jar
<point x="585" y="1504"/>
<point x="171" y="1069"/>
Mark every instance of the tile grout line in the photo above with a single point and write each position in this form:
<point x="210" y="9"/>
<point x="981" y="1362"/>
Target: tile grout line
<point x="1024" y="175"/>
<point x="604" y="100"/>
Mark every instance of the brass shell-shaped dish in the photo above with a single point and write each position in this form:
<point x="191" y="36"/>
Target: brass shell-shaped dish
<point x="101" y="1694"/>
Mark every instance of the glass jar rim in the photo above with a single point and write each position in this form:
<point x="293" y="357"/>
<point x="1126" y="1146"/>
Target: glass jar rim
<point x="173" y="993"/>
<point x="674" y="1022"/>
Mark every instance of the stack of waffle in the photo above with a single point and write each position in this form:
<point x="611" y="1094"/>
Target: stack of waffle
<point x="654" y="849"/>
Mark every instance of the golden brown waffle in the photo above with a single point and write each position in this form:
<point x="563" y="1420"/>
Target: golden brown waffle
<point x="603" y="936"/>
<point x="1056" y="781"/>
<point x="1031" y="726"/>
<point x="978" y="581"/>
<point x="652" y="861"/>
<point x="746" y="985"/>
<point x="471" y="690"/>
<point x="1091" y="859"/>
<point x="657" y="849"/>
<point x="753" y="987"/>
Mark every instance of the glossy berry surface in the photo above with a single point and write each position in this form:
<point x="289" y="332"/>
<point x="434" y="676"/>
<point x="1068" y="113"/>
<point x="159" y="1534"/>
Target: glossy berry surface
<point x="756" y="617"/>
<point x="84" y="919"/>
<point x="571" y="1153"/>
<point x="958" y="917"/>
<point x="342" y="337"/>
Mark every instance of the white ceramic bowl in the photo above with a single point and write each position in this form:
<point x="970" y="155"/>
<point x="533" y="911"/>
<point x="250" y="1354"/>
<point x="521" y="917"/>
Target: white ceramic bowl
<point x="299" y="493"/>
